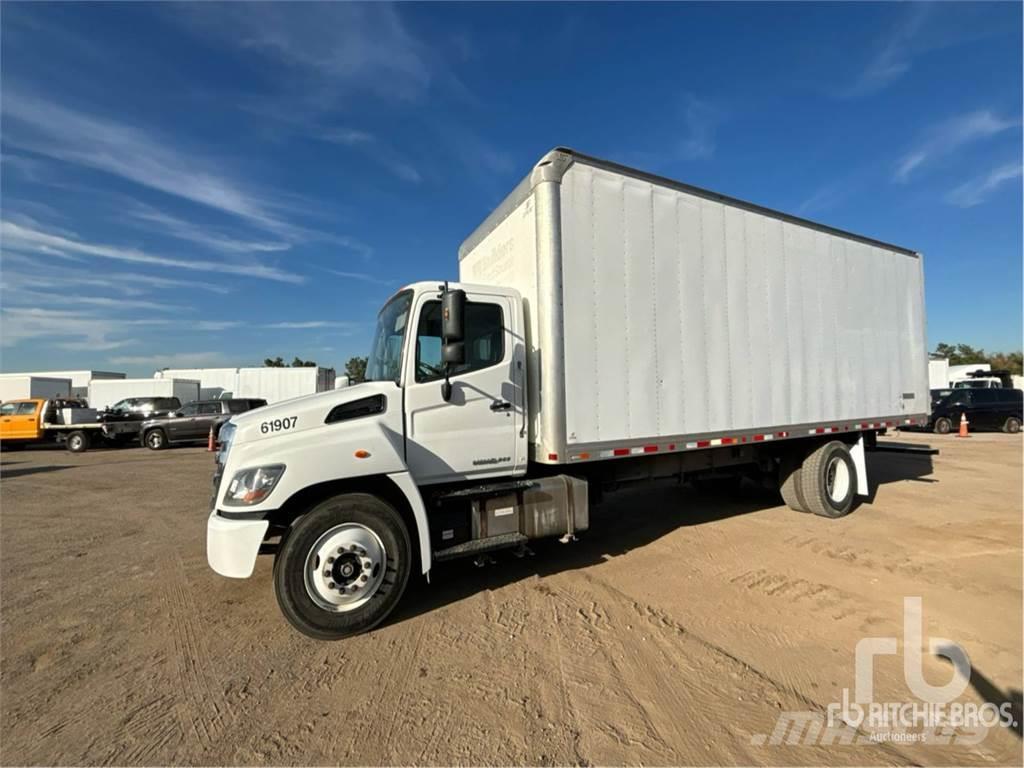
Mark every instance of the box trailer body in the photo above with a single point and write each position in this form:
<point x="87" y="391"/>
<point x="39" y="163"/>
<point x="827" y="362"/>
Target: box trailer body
<point x="658" y="312"/>
<point x="104" y="393"/>
<point x="79" y="379"/>
<point x="21" y="386"/>
<point x="938" y="373"/>
<point x="267" y="383"/>
<point x="608" y="327"/>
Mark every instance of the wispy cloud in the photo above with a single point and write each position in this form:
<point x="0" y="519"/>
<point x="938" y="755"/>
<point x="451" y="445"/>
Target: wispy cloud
<point x="309" y="324"/>
<point x="35" y="297"/>
<point x="361" y="276"/>
<point x="215" y="325"/>
<point x="34" y="240"/>
<point x="948" y="136"/>
<point x="128" y="152"/>
<point x="190" y="232"/>
<point x="69" y="326"/>
<point x="977" y="190"/>
<point x="127" y="283"/>
<point x="350" y="46"/>
<point x="893" y="54"/>
<point x="379" y="151"/>
<point x="171" y="360"/>
<point x="701" y="120"/>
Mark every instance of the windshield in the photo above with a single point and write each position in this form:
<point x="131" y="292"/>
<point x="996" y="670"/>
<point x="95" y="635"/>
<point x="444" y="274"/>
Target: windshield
<point x="385" y="360"/>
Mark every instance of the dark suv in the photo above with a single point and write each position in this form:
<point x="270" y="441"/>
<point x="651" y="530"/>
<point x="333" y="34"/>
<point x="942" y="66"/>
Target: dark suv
<point x="984" y="408"/>
<point x="192" y="423"/>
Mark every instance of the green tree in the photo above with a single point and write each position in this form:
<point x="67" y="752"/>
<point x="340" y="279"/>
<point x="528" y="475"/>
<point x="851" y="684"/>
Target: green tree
<point x="965" y="354"/>
<point x="298" y="362"/>
<point x="273" y="362"/>
<point x="355" y="369"/>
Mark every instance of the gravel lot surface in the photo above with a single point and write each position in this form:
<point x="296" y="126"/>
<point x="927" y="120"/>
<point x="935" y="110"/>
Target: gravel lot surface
<point x="675" y="632"/>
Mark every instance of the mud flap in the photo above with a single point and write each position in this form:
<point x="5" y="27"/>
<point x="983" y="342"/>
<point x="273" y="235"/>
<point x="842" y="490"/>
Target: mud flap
<point x="860" y="464"/>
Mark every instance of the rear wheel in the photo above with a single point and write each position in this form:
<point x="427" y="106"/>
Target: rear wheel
<point x="943" y="426"/>
<point x="342" y="567"/>
<point x="78" y="441"/>
<point x="789" y="483"/>
<point x="828" y="480"/>
<point x="1012" y="425"/>
<point x="155" y="439"/>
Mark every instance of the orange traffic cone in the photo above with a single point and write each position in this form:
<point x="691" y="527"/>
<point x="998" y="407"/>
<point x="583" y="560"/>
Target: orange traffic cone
<point x="963" y="425"/>
<point x="211" y="444"/>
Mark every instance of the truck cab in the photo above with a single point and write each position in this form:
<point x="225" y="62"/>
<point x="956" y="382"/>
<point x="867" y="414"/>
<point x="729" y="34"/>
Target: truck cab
<point x="443" y="406"/>
<point x="20" y="420"/>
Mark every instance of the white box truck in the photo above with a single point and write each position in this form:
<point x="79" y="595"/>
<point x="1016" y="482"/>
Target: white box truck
<point x="266" y="383"/>
<point x="105" y="393"/>
<point x="18" y="386"/>
<point x="609" y="327"/>
<point x="79" y="378"/>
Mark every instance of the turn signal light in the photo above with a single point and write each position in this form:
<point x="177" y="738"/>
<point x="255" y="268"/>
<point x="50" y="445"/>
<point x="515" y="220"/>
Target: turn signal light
<point x="361" y="454"/>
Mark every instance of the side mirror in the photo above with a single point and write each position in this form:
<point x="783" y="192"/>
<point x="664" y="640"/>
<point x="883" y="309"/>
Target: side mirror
<point x="453" y="310"/>
<point x="453" y="353"/>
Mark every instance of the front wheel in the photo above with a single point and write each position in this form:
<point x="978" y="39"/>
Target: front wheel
<point x="343" y="566"/>
<point x="943" y="426"/>
<point x="1012" y="425"/>
<point x="156" y="440"/>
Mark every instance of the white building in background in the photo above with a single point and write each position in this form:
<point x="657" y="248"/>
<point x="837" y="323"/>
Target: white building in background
<point x="270" y="384"/>
<point x="79" y="379"/>
<point x="106" y="392"/>
<point x="18" y="386"/>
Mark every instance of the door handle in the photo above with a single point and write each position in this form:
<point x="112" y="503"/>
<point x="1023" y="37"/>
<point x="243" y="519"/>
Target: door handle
<point x="501" y="405"/>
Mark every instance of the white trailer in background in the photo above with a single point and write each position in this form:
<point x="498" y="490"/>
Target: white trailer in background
<point x="79" y="378"/>
<point x="938" y="373"/>
<point x="609" y="327"/>
<point x="270" y="384"/>
<point x="104" y="393"/>
<point x="18" y="386"/>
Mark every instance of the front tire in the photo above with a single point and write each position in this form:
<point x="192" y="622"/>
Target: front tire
<point x="828" y="480"/>
<point x="943" y="426"/>
<point x="1012" y="425"/>
<point x="343" y="567"/>
<point x="155" y="440"/>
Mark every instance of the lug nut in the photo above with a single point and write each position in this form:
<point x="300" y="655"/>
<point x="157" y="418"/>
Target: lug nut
<point x="330" y="559"/>
<point x="351" y="547"/>
<point x="330" y="585"/>
<point x="363" y="578"/>
<point x="353" y="588"/>
<point x="327" y="573"/>
<point x="341" y="550"/>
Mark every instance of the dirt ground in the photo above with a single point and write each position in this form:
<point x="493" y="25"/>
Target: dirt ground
<point x="675" y="632"/>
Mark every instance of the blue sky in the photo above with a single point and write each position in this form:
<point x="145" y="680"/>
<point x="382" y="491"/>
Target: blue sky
<point x="213" y="184"/>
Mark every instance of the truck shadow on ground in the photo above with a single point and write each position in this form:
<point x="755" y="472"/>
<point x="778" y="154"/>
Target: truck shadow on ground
<point x="6" y="473"/>
<point x="626" y="521"/>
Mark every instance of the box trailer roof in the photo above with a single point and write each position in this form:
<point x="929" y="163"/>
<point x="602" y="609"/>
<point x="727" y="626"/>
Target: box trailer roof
<point x="558" y="160"/>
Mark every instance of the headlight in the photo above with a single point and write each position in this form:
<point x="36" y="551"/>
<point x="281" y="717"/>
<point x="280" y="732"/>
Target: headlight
<point x="224" y="438"/>
<point x="251" y="486"/>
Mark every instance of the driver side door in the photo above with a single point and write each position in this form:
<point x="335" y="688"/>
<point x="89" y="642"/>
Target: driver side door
<point x="479" y="431"/>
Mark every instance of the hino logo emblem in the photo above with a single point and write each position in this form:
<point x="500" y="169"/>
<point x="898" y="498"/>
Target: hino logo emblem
<point x="501" y="460"/>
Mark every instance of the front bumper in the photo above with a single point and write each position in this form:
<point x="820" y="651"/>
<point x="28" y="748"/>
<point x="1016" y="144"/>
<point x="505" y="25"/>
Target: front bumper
<point x="233" y="545"/>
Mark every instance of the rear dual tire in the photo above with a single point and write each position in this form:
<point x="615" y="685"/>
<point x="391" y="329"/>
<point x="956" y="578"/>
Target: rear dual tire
<point x="343" y="567"/>
<point x="824" y="482"/>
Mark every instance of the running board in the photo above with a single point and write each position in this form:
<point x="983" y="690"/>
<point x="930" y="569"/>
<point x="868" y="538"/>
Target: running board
<point x="478" y="546"/>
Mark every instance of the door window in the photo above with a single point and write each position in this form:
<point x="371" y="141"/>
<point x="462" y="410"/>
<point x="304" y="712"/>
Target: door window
<point x="484" y="340"/>
<point x="189" y="410"/>
<point x="209" y="409"/>
<point x="26" y="409"/>
<point x="8" y="409"/>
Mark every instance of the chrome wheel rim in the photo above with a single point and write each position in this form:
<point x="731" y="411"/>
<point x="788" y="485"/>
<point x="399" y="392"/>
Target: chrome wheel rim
<point x="155" y="440"/>
<point x="345" y="567"/>
<point x="76" y="443"/>
<point x="837" y="480"/>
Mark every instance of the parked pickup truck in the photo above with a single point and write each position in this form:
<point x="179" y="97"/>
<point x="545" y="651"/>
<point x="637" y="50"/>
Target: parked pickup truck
<point x="38" y="420"/>
<point x="193" y="422"/>
<point x="609" y="327"/>
<point x="124" y="418"/>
